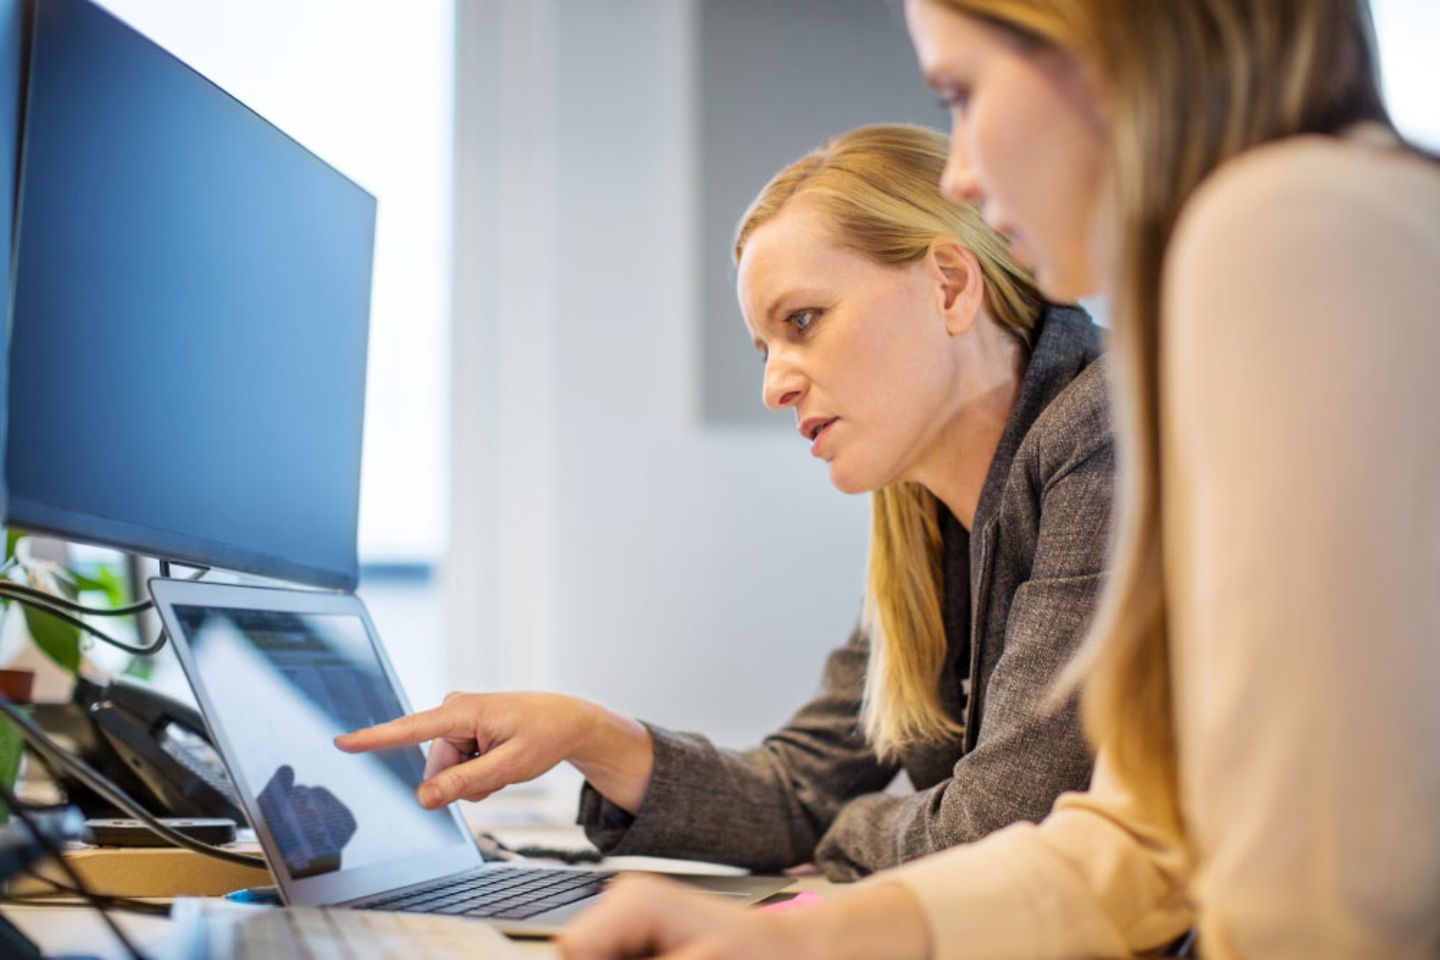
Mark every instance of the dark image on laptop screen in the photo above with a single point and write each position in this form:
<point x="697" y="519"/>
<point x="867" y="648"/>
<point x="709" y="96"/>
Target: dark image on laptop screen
<point x="282" y="686"/>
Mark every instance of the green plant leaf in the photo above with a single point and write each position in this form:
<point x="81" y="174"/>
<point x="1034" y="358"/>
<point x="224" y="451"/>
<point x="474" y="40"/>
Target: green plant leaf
<point x="12" y="538"/>
<point x="11" y="746"/>
<point x="59" y="640"/>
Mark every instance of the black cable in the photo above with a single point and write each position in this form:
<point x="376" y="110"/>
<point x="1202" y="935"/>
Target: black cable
<point x="48" y="608"/>
<point x="61" y="607"/>
<point x="45" y="596"/>
<point x="67" y="898"/>
<point x="41" y="898"/>
<point x="41" y="743"/>
<point x="52" y="848"/>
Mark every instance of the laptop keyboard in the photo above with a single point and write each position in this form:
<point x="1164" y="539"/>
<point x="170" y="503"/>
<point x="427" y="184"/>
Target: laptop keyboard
<point x="498" y="893"/>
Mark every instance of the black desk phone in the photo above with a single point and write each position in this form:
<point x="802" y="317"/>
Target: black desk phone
<point x="151" y="746"/>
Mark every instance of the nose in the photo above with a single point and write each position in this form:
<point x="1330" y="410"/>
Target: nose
<point x="958" y="182"/>
<point x="784" y="385"/>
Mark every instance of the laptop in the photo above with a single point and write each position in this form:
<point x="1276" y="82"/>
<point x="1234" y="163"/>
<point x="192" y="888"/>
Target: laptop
<point x="278" y="673"/>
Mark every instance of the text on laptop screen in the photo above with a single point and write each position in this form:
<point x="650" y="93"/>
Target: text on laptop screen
<point x="283" y="686"/>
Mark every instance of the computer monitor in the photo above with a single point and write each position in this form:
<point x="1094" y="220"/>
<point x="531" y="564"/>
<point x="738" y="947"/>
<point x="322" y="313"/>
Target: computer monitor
<point x="189" y="316"/>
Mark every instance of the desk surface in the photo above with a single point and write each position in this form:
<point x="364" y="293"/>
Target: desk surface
<point x="79" y="930"/>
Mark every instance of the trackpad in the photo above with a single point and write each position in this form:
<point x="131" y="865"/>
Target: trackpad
<point x="743" y="889"/>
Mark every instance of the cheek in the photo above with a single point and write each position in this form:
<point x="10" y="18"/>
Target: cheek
<point x="1003" y="155"/>
<point x="1040" y="162"/>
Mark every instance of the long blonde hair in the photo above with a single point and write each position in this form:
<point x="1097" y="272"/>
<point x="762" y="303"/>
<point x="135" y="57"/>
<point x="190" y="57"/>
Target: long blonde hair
<point x="1187" y="84"/>
<point x="879" y="187"/>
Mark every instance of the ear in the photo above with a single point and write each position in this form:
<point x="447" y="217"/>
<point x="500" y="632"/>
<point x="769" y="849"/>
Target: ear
<point x="960" y="284"/>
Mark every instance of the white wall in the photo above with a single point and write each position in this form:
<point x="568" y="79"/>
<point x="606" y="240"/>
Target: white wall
<point x="1408" y="34"/>
<point x="603" y="541"/>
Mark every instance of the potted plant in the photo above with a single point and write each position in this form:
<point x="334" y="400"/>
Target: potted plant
<point x="21" y="575"/>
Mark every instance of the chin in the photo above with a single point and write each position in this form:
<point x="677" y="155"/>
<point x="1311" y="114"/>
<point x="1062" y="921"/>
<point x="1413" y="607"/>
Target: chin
<point x="1064" y="283"/>
<point x="849" y="483"/>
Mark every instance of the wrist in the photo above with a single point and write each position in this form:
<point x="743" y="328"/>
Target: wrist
<point x="880" y="922"/>
<point x="615" y="753"/>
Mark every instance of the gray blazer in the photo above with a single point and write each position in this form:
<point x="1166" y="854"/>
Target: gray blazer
<point x="811" y="791"/>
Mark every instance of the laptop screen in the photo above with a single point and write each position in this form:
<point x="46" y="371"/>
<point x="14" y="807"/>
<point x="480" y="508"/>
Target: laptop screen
<point x="282" y="685"/>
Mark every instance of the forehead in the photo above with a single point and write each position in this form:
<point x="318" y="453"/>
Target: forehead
<point x="944" y="37"/>
<point x="797" y="245"/>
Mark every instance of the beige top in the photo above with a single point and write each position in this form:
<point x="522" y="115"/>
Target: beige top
<point x="1301" y="411"/>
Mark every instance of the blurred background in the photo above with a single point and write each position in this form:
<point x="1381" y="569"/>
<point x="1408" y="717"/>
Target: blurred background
<point x="569" y="480"/>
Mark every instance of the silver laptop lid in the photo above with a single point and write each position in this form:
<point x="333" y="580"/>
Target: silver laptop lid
<point x="278" y="674"/>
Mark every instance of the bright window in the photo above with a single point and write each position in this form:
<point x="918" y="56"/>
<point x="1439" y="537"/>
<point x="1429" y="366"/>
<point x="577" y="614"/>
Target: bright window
<point x="367" y="85"/>
<point x="1408" y="33"/>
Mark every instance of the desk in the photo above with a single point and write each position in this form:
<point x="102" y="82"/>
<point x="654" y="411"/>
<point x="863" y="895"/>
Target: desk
<point x="79" y="930"/>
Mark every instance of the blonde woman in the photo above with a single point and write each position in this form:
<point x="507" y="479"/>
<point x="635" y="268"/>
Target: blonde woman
<point x="1260" y="681"/>
<point x="920" y="363"/>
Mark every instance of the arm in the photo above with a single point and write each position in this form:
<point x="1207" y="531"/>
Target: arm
<point x="1305" y="482"/>
<point x="1026" y="891"/>
<point x="1097" y="878"/>
<point x="483" y="742"/>
<point x="763" y="808"/>
<point x="1027" y="754"/>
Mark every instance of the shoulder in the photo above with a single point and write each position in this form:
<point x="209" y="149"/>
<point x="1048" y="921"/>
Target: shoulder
<point x="1301" y="245"/>
<point x="1306" y="195"/>
<point x="1073" y="429"/>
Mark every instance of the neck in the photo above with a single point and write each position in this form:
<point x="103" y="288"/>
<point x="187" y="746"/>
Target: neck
<point x="989" y="380"/>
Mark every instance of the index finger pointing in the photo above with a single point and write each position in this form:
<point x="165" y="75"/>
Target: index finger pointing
<point x="414" y="728"/>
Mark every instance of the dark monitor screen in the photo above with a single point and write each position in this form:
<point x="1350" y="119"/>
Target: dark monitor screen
<point x="12" y="59"/>
<point x="190" y="316"/>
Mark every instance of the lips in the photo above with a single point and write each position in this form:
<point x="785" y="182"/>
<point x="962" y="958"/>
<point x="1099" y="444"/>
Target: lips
<point x="816" y="429"/>
<point x="812" y="427"/>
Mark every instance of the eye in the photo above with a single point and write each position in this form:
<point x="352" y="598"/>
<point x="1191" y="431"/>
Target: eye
<point x="802" y="319"/>
<point x="955" y="98"/>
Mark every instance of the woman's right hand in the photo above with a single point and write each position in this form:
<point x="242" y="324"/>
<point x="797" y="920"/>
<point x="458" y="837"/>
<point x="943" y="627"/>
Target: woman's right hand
<point x="482" y="742"/>
<point x="643" y="916"/>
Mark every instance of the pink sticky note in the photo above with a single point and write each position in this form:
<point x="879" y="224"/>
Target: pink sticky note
<point x="804" y="899"/>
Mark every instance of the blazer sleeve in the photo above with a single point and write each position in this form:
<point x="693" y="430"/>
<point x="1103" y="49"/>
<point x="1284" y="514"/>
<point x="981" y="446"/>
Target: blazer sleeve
<point x="1026" y="754"/>
<point x="763" y="808"/>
